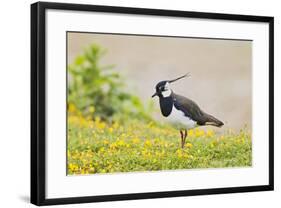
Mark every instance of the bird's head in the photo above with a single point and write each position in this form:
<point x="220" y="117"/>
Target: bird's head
<point x="163" y="88"/>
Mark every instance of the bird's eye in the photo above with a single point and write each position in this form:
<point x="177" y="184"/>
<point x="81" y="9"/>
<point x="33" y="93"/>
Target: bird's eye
<point x="164" y="88"/>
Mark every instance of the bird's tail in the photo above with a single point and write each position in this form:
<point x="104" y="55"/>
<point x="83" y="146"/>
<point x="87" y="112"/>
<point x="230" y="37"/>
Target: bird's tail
<point x="211" y="120"/>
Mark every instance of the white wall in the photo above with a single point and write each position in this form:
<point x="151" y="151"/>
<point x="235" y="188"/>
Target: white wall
<point x="14" y="105"/>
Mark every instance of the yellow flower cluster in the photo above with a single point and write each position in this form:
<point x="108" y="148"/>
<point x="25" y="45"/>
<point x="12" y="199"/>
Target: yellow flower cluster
<point x="201" y="133"/>
<point x="97" y="146"/>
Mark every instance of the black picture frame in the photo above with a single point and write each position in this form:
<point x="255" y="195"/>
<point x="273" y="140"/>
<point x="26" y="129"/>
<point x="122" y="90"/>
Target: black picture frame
<point x="38" y="102"/>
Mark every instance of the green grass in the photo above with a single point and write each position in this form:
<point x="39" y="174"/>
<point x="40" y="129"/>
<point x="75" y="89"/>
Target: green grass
<point x="98" y="147"/>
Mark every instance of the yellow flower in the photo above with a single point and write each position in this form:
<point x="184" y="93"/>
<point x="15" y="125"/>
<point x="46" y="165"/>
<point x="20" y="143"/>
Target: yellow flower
<point x="73" y="167"/>
<point x="82" y="121"/>
<point x="100" y="125"/>
<point x="105" y="142"/>
<point x="147" y="143"/>
<point x="180" y="153"/>
<point x="189" y="145"/>
<point x="120" y="143"/>
<point x="71" y="108"/>
<point x="113" y="146"/>
<point x="210" y="133"/>
<point x="191" y="133"/>
<point x="136" y="140"/>
<point x="101" y="149"/>
<point x="115" y="125"/>
<point x="199" y="133"/>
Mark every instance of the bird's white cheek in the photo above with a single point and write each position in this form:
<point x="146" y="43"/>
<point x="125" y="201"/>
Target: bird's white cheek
<point x="166" y="93"/>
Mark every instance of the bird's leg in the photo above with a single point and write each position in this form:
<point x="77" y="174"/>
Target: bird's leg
<point x="182" y="143"/>
<point x="185" y="135"/>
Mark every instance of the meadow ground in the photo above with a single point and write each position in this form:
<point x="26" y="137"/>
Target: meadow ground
<point x="95" y="146"/>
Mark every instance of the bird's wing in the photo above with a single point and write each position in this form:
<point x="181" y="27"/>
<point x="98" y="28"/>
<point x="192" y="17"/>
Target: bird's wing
<point x="192" y="110"/>
<point x="189" y="107"/>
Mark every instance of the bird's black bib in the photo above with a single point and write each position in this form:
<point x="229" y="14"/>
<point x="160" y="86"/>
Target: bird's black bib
<point x="166" y="105"/>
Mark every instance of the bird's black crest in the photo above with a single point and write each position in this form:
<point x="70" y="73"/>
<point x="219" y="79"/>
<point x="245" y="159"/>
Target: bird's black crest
<point x="160" y="84"/>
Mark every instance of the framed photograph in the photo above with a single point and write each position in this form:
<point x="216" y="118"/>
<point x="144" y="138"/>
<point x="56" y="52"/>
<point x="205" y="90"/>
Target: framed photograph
<point x="135" y="103"/>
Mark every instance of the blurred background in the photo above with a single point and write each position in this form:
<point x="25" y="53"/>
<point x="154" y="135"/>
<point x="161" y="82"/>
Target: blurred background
<point x="220" y="81"/>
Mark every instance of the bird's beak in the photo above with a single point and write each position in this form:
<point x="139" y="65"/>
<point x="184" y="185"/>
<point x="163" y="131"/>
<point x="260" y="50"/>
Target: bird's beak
<point x="173" y="80"/>
<point x="154" y="94"/>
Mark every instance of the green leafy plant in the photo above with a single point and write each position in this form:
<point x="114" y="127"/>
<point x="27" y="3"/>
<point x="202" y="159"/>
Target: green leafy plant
<point x="97" y="90"/>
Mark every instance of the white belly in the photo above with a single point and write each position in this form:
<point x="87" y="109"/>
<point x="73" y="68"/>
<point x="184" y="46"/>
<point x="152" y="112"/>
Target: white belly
<point x="178" y="118"/>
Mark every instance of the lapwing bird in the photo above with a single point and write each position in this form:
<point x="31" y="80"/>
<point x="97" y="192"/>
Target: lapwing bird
<point x="182" y="111"/>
